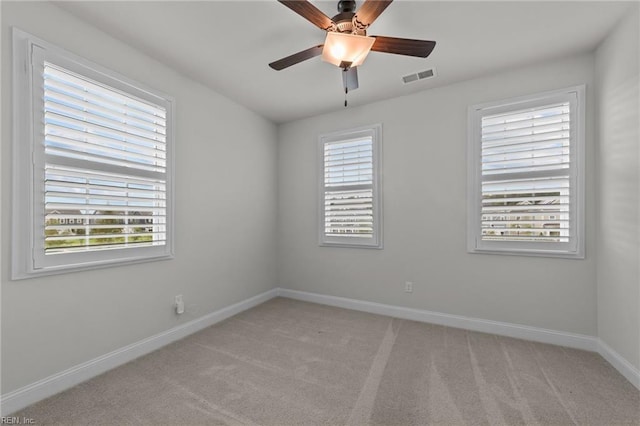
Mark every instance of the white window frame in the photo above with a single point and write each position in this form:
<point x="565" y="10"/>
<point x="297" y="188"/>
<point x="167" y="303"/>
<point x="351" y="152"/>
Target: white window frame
<point x="575" y="248"/>
<point x="28" y="150"/>
<point x="375" y="132"/>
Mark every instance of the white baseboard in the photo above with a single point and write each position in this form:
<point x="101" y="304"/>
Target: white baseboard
<point x="625" y="368"/>
<point x="27" y="395"/>
<point x="578" y="341"/>
<point x="561" y="338"/>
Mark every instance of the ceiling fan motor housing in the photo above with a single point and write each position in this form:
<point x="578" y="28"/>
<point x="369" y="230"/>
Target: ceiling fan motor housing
<point x="344" y="21"/>
<point x="346" y="6"/>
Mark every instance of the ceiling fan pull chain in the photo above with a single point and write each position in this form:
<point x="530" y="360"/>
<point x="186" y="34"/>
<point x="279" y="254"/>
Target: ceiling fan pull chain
<point x="346" y="90"/>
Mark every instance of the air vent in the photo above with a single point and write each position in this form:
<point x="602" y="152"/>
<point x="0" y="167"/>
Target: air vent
<point x="419" y="76"/>
<point x="409" y="78"/>
<point x="425" y="74"/>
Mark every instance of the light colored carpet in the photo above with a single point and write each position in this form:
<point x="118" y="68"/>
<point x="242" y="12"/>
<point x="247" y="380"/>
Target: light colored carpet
<point x="287" y="362"/>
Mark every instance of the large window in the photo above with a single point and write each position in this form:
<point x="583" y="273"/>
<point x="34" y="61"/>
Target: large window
<point x="526" y="175"/>
<point x="350" y="196"/>
<point x="92" y="169"/>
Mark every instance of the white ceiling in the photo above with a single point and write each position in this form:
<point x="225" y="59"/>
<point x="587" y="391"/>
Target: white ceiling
<point x="226" y="45"/>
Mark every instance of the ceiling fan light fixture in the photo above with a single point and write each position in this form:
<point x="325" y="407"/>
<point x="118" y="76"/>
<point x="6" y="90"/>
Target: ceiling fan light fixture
<point x="344" y="47"/>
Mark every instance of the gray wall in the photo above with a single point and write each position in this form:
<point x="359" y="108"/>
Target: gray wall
<point x="230" y="154"/>
<point x="617" y="84"/>
<point x="424" y="186"/>
<point x="225" y="220"/>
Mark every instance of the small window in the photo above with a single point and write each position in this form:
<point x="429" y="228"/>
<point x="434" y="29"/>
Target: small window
<point x="92" y="181"/>
<point x="526" y="175"/>
<point x="350" y="195"/>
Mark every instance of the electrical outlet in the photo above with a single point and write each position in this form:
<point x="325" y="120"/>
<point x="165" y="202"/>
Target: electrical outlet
<point x="179" y="304"/>
<point x="408" y="287"/>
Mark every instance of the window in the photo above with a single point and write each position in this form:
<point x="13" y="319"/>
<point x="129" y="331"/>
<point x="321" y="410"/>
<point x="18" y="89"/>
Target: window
<point x="350" y="196"/>
<point x="92" y="164"/>
<point x="526" y="180"/>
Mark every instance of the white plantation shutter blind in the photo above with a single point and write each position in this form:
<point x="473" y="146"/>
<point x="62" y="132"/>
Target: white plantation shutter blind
<point x="526" y="186"/>
<point x="349" y="188"/>
<point x="348" y="180"/>
<point x="105" y="166"/>
<point x="525" y="174"/>
<point x="93" y="182"/>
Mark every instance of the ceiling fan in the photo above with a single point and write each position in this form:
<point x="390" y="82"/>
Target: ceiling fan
<point x="347" y="43"/>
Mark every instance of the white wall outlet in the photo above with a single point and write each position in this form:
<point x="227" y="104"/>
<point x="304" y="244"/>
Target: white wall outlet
<point x="408" y="287"/>
<point x="179" y="304"/>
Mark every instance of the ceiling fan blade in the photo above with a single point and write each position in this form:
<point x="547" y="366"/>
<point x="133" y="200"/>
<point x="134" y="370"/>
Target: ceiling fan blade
<point x="296" y="58"/>
<point x="403" y="46"/>
<point x="370" y="10"/>
<point x="350" y="79"/>
<point x="309" y="12"/>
